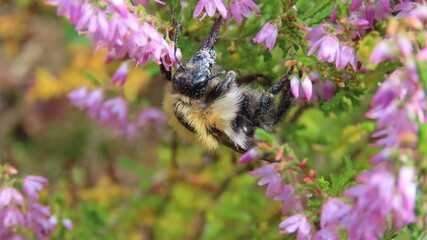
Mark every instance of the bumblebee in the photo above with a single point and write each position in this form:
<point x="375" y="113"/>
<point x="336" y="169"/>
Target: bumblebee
<point x="204" y="107"/>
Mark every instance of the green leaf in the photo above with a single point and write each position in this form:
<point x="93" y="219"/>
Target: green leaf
<point x="323" y="183"/>
<point x="264" y="136"/>
<point x="92" y="78"/>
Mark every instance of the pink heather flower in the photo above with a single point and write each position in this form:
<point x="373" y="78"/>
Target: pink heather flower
<point x="67" y="224"/>
<point x="346" y="56"/>
<point x="121" y="74"/>
<point x="209" y="7"/>
<point x="386" y="5"/>
<point x="269" y="176"/>
<point x="328" y="89"/>
<point x="267" y="34"/>
<point x="9" y="195"/>
<point x="333" y="211"/>
<point x="154" y="117"/>
<point x="249" y="156"/>
<point x="327" y="233"/>
<point x="295" y="84"/>
<point x="333" y="16"/>
<point x="114" y="113"/>
<point x="330" y="49"/>
<point x="241" y="8"/>
<point x="118" y="30"/>
<point x="32" y="184"/>
<point x="145" y="2"/>
<point x="373" y="203"/>
<point x="10" y="170"/>
<point x="94" y="102"/>
<point x="422" y="54"/>
<point x="307" y="87"/>
<point x="13" y="216"/>
<point x="78" y="97"/>
<point x="382" y="52"/>
<point x="404" y="45"/>
<point x="355" y="4"/>
<point x="40" y="220"/>
<point x="290" y="201"/>
<point x="297" y="222"/>
<point x="404" y="201"/>
<point x="130" y="130"/>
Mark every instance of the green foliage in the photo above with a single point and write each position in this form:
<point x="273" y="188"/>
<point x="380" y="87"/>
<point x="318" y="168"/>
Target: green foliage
<point x="264" y="136"/>
<point x="314" y="11"/>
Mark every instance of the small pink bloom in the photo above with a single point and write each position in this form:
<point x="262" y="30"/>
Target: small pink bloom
<point x="404" y="201"/>
<point x="404" y="45"/>
<point x="333" y="211"/>
<point x="298" y="222"/>
<point x="422" y="54"/>
<point x="382" y="52"/>
<point x="269" y="176"/>
<point x="295" y="84"/>
<point x="32" y="184"/>
<point x="67" y="224"/>
<point x="355" y="4"/>
<point x="307" y="87"/>
<point x="152" y="117"/>
<point x="114" y="112"/>
<point x="9" y="195"/>
<point x="94" y="102"/>
<point x="11" y="170"/>
<point x="346" y="56"/>
<point x="78" y="97"/>
<point x="329" y="49"/>
<point x="328" y="89"/>
<point x="333" y="16"/>
<point x="13" y="216"/>
<point x="267" y="34"/>
<point x="386" y="4"/>
<point x="241" y="8"/>
<point x="121" y="74"/>
<point x="145" y="2"/>
<point x="210" y="7"/>
<point x="327" y="233"/>
<point x="249" y="156"/>
<point x="290" y="201"/>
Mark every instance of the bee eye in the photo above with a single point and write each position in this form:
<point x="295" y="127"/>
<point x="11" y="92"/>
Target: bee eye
<point x="199" y="79"/>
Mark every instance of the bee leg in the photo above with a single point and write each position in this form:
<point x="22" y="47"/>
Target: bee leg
<point x="285" y="103"/>
<point x="222" y="87"/>
<point x="267" y="99"/>
<point x="253" y="77"/>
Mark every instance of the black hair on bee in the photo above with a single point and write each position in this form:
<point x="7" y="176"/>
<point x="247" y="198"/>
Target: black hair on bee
<point x="209" y="109"/>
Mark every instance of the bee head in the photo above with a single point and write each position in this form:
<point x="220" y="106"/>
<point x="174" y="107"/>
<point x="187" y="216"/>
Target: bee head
<point x="192" y="79"/>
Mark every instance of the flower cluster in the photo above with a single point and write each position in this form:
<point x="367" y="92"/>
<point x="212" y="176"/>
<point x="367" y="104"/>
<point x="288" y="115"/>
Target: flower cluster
<point x="330" y="49"/>
<point x="312" y="88"/>
<point x="21" y="213"/>
<point x="117" y="28"/>
<point x="268" y="35"/>
<point x="238" y="8"/>
<point x="114" y="112"/>
<point x="386" y="194"/>
<point x="272" y="176"/>
<point x="377" y="197"/>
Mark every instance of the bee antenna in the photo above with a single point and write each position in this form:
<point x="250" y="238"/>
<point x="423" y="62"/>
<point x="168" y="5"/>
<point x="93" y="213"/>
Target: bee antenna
<point x="213" y="35"/>
<point x="217" y="75"/>
<point x="176" y="47"/>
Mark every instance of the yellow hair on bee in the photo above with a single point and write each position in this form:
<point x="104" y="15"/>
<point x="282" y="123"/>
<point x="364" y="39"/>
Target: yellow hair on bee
<point x="201" y="117"/>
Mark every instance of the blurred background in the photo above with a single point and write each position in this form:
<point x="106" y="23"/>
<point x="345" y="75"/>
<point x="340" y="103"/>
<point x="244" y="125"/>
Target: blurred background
<point x="156" y="186"/>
